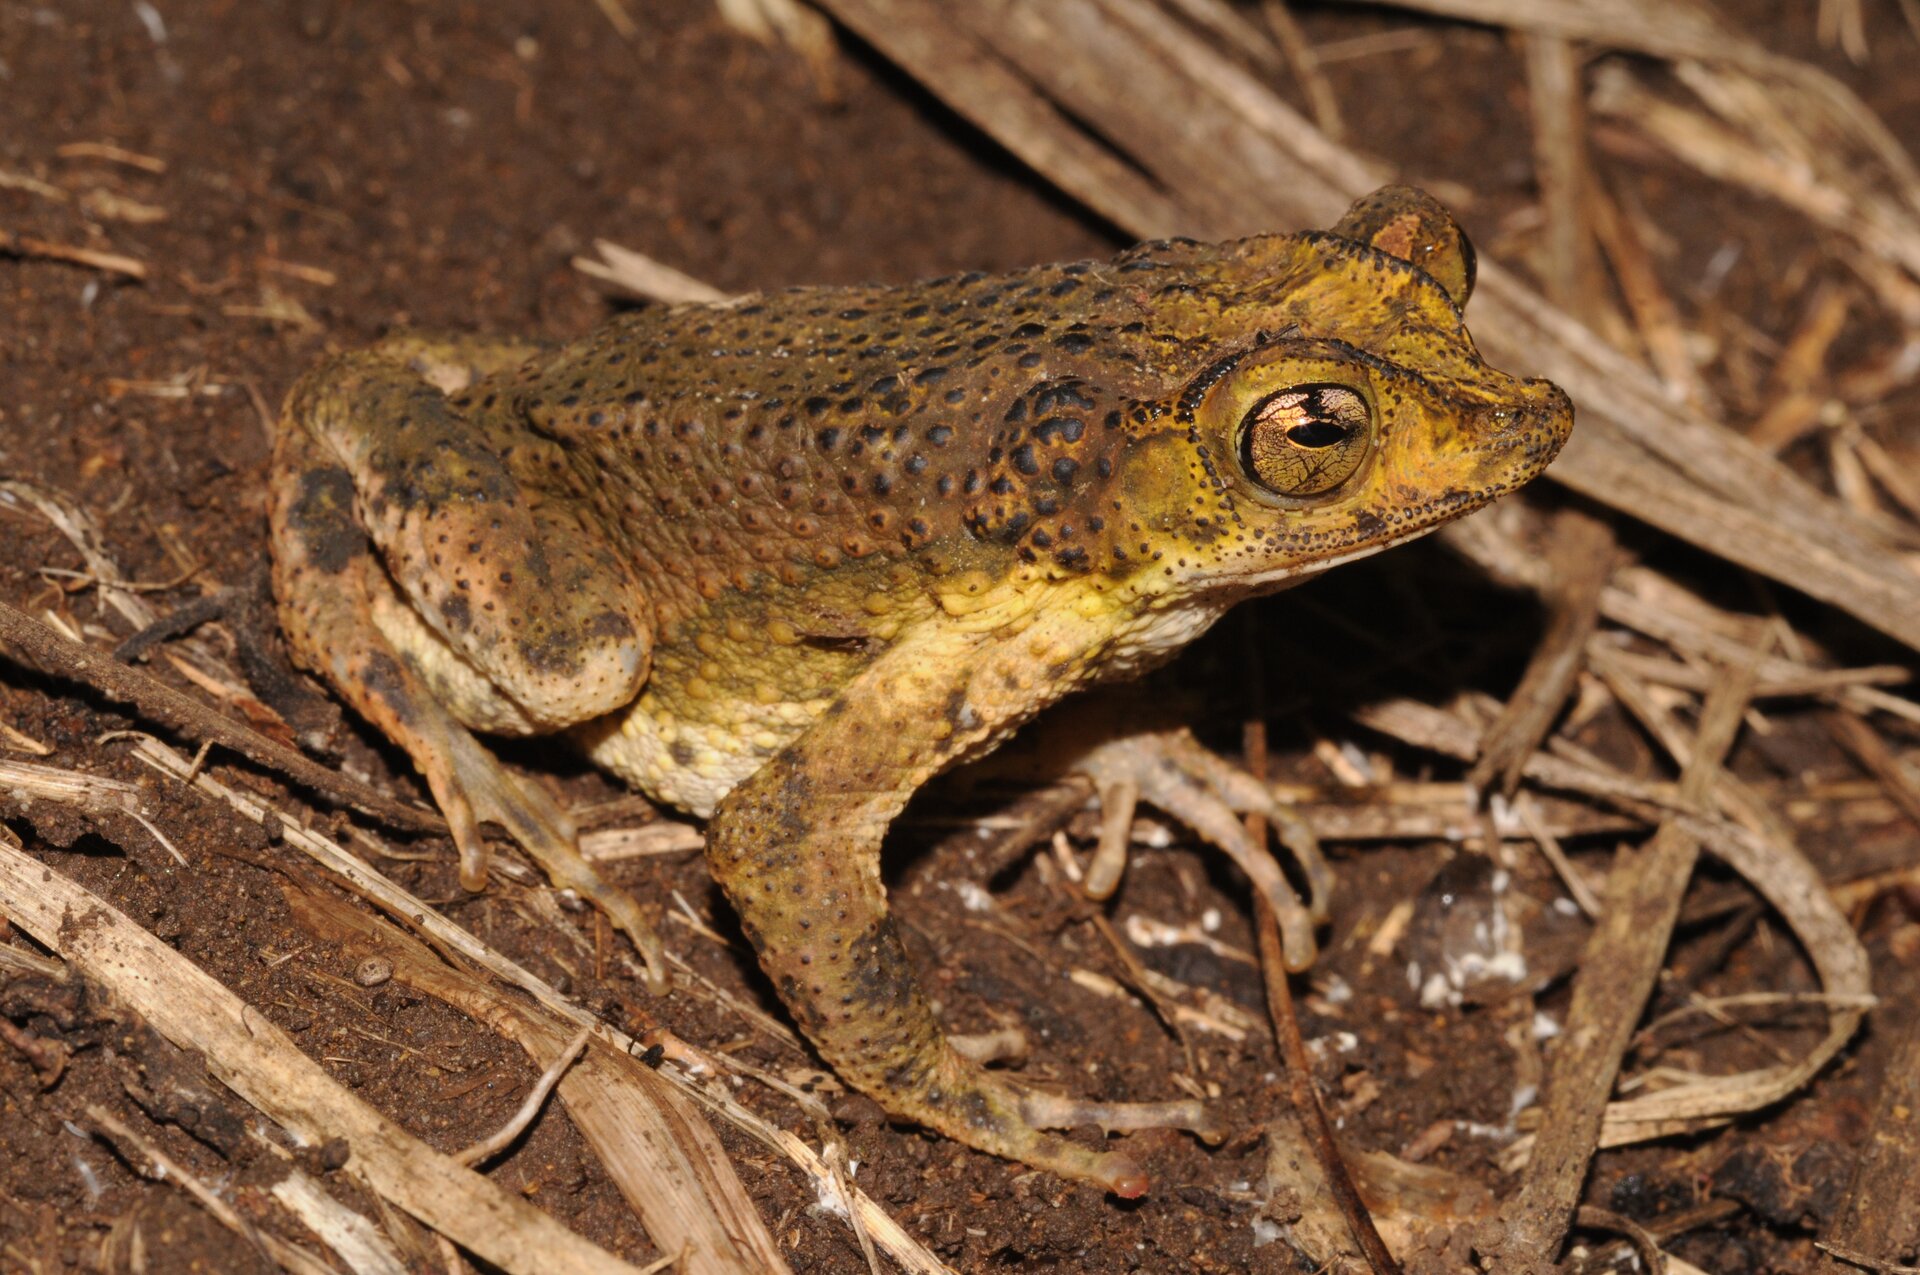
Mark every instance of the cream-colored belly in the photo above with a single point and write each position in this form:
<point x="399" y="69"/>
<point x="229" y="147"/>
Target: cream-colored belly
<point x="690" y="764"/>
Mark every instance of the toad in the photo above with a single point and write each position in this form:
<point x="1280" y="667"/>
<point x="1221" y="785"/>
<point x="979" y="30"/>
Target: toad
<point x="780" y="561"/>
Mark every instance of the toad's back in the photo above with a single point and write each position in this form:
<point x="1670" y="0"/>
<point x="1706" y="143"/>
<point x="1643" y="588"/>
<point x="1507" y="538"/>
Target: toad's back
<point x="764" y="441"/>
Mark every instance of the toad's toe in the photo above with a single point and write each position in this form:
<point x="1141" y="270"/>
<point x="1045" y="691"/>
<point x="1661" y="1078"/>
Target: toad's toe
<point x="1171" y="770"/>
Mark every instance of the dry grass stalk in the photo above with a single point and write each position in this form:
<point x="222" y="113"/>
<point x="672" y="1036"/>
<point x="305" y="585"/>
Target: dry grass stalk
<point x="1442" y="812"/>
<point x="12" y="245"/>
<point x="104" y="798"/>
<point x="1576" y="883"/>
<point x="1657" y="318"/>
<point x="1786" y="128"/>
<point x="1580" y="554"/>
<point x="364" y="1247"/>
<point x="1617" y="974"/>
<point x="1396" y="811"/>
<point x="1775" y="869"/>
<point x="459" y="945"/>
<point x="1558" y="100"/>
<point x="663" y="836"/>
<point x="1886" y="233"/>
<point x="33" y="186"/>
<point x="659" y="1150"/>
<point x="503" y="1137"/>
<point x="641" y="274"/>
<point x="1849" y="475"/>
<point x="1892" y="477"/>
<point x="1651" y="604"/>
<point x="197" y="659"/>
<point x="1843" y="25"/>
<point x="1677" y="618"/>
<point x="1424" y="726"/>
<point x="1305" y="65"/>
<point x="1863" y="743"/>
<point x="1682" y="31"/>
<point x="615" y="12"/>
<point x="794" y="24"/>
<point x="1235" y="30"/>
<point x="118" y="681"/>
<point x="108" y="153"/>
<point x="1291" y="1046"/>
<point x="62" y="657"/>
<point x="1878" y="1223"/>
<point x="98" y="794"/>
<point x="1779" y="681"/>
<point x="134" y="1147"/>
<point x="261" y="1064"/>
<point x="1408" y="1200"/>
<point x="15" y="740"/>
<point x="82" y="531"/>
<point x="1671" y="30"/>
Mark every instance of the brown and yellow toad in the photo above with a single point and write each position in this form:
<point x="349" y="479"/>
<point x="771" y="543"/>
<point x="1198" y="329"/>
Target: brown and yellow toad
<point x="780" y="562"/>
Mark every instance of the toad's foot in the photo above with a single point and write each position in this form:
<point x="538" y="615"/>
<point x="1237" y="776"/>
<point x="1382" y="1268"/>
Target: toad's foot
<point x="1171" y="770"/>
<point x="994" y="1114"/>
<point x="469" y="784"/>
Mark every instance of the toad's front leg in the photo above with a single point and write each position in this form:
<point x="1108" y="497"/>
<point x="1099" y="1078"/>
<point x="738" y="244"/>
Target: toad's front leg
<point x="797" y="849"/>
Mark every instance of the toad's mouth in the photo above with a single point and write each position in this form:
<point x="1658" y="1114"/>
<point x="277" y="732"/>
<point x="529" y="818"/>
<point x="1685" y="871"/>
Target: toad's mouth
<point x="1444" y="511"/>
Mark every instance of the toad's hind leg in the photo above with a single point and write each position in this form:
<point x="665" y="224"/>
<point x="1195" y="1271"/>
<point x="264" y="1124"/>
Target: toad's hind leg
<point x="471" y="513"/>
<point x="796" y="847"/>
<point x="370" y="457"/>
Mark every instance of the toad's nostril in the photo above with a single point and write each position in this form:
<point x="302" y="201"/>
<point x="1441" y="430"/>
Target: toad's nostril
<point x="1540" y="408"/>
<point x="1498" y="423"/>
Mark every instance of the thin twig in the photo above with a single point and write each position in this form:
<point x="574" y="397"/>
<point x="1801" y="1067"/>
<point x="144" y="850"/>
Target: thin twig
<point x="1644" y="1244"/>
<point x="1528" y="811"/>
<point x="1301" y="1093"/>
<point x="261" y="1063"/>
<point x="500" y="1138"/>
<point x="1306" y="1102"/>
<point x="460" y="946"/>
<point x="1581" y="552"/>
<point x="1573" y="278"/>
<point x="1305" y="65"/>
<point x="1860" y="740"/>
<point x="12" y="245"/>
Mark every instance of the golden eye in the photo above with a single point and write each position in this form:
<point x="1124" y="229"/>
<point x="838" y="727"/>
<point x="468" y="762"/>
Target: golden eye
<point x="1305" y="440"/>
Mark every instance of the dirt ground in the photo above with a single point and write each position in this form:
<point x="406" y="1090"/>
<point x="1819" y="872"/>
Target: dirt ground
<point x="303" y="176"/>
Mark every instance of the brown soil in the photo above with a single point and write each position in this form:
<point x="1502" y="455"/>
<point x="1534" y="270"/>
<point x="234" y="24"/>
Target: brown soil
<point x="317" y="172"/>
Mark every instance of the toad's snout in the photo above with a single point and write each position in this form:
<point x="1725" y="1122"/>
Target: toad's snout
<point x="1518" y="437"/>
<point x="1529" y="409"/>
